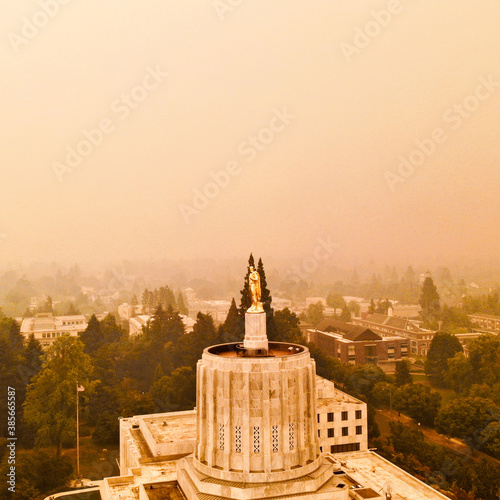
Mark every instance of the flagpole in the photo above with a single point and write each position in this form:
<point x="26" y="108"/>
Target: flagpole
<point x="77" y="434"/>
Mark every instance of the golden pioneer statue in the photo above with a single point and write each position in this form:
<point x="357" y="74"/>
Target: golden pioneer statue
<point x="255" y="292"/>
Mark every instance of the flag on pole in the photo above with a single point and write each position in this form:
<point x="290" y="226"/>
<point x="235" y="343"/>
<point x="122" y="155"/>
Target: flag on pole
<point x="80" y="388"/>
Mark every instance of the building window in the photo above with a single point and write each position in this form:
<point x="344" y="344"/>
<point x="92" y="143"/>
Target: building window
<point x="358" y="414"/>
<point x="318" y="418"/>
<point x="404" y="349"/>
<point x="351" y="353"/>
<point x="319" y="433"/>
<point x="390" y="352"/>
<point x="345" y="431"/>
<point x="359" y="429"/>
<point x="256" y="439"/>
<point x="371" y="354"/>
<point x="330" y="417"/>
<point x="291" y="439"/>
<point x="237" y="440"/>
<point x="274" y="434"/>
<point x="331" y="433"/>
<point x="221" y="437"/>
<point x="345" y="415"/>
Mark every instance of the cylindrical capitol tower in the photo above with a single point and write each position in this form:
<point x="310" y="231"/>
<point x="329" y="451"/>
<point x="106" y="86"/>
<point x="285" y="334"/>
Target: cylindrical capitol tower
<point x="256" y="409"/>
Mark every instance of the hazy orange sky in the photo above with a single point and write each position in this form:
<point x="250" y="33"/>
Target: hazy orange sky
<point x="309" y="117"/>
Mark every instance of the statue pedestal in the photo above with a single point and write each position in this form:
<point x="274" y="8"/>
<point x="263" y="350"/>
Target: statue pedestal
<point x="255" y="331"/>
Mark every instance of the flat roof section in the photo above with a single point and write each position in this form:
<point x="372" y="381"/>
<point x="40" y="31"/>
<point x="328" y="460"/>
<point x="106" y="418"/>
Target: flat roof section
<point x="276" y="350"/>
<point x="368" y="468"/>
<point x="171" y="427"/>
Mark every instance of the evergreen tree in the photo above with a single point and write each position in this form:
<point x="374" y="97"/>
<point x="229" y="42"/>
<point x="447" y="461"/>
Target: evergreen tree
<point x="72" y="310"/>
<point x="266" y="298"/>
<point x="429" y="301"/>
<point x="181" y="305"/>
<point x="157" y="326"/>
<point x="443" y="347"/>
<point x="111" y="331"/>
<point x="145" y="301"/>
<point x="403" y="375"/>
<point x="33" y="354"/>
<point x="246" y="298"/>
<point x="92" y="336"/>
<point x="232" y="329"/>
<point x="372" y="307"/>
<point x="175" y="325"/>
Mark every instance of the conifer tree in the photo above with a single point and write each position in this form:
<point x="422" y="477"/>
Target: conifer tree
<point x="371" y="308"/>
<point x="181" y="305"/>
<point x="266" y="298"/>
<point x="246" y="299"/>
<point x="429" y="300"/>
<point x="33" y="354"/>
<point x="232" y="329"/>
<point x="92" y="336"/>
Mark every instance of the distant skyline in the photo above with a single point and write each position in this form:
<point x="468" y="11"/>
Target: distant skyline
<point x="150" y="130"/>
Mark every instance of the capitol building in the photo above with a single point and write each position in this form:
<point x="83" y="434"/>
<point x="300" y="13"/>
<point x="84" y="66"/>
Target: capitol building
<point x="265" y="426"/>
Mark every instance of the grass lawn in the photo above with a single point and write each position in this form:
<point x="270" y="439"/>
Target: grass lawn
<point x="96" y="462"/>
<point x="447" y="394"/>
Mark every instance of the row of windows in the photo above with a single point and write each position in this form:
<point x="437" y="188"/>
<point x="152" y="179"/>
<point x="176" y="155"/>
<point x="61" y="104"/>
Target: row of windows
<point x="371" y="352"/>
<point x="343" y="448"/>
<point x="54" y="335"/>
<point x="330" y="417"/>
<point x="345" y="431"/>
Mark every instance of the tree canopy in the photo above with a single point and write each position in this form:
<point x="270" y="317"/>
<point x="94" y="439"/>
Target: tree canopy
<point x="50" y="405"/>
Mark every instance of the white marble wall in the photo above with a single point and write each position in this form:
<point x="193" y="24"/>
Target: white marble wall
<point x="256" y="417"/>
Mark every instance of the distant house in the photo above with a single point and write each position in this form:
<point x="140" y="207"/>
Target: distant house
<point x="386" y="326"/>
<point x="357" y="344"/>
<point x="315" y="300"/>
<point x="47" y="328"/>
<point x="127" y="311"/>
<point x="485" y="322"/>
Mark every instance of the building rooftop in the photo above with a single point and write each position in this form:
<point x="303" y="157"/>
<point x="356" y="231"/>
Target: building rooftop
<point x="47" y="322"/>
<point x="383" y="319"/>
<point x="276" y="349"/>
<point x="380" y="474"/>
<point x="486" y="316"/>
<point x="348" y="330"/>
<point x="167" y="428"/>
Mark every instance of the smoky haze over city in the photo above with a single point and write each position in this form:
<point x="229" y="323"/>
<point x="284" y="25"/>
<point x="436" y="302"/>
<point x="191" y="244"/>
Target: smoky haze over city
<point x="250" y="249"/>
<point x="149" y="130"/>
